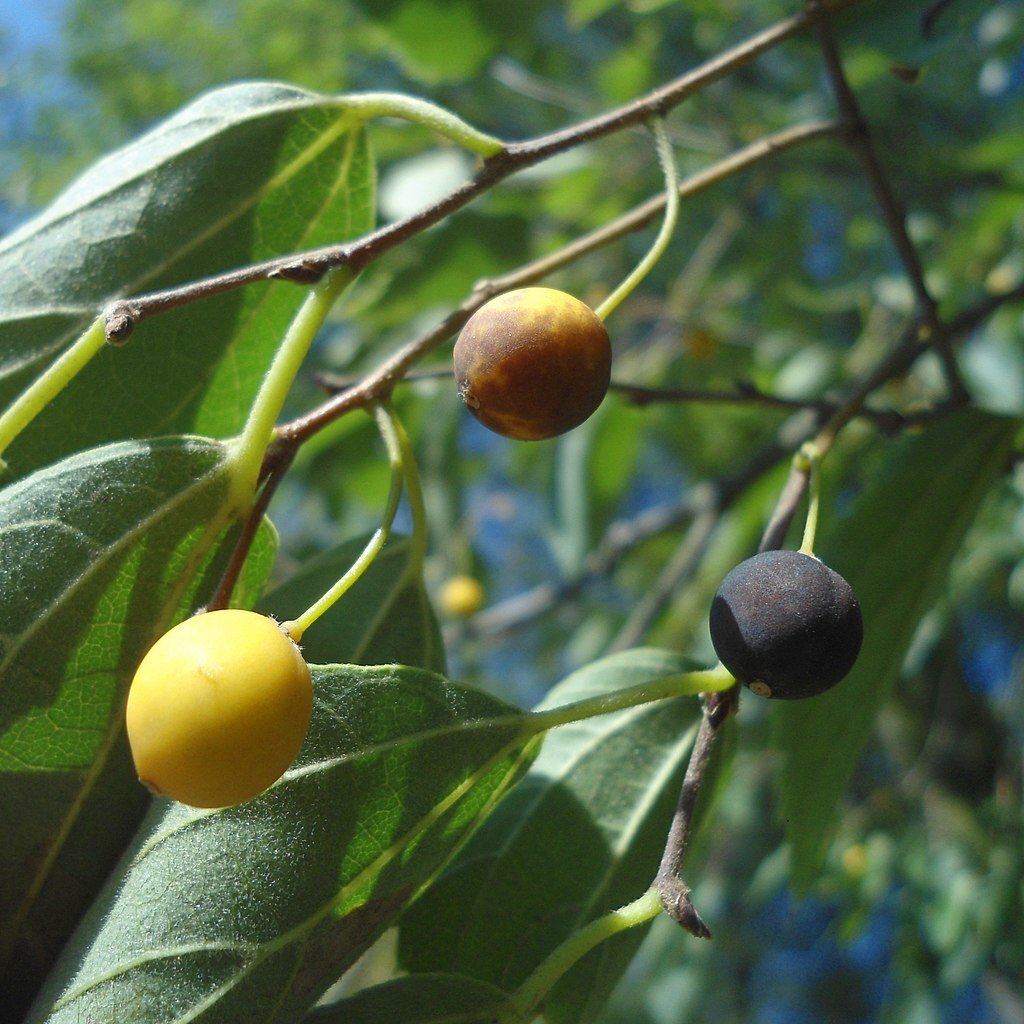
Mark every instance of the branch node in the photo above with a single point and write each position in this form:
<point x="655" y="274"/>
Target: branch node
<point x="675" y="898"/>
<point x="719" y="706"/>
<point x="119" y="322"/>
<point x="304" y="271"/>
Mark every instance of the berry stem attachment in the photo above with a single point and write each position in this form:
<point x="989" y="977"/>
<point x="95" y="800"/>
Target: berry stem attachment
<point x="527" y="998"/>
<point x="391" y="431"/>
<point x="50" y="383"/>
<point x="668" y="224"/>
<point x="808" y="459"/>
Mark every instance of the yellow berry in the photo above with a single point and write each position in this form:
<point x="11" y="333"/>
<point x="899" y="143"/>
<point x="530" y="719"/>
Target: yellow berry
<point x="855" y="860"/>
<point x="461" y="596"/>
<point x="218" y="708"/>
<point x="533" y="363"/>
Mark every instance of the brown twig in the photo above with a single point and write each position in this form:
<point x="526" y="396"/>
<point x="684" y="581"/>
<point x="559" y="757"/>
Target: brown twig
<point x="970" y="319"/>
<point x="743" y="394"/>
<point x="621" y="537"/>
<point x="788" y="502"/>
<point x="675" y="893"/>
<point x="382" y="380"/>
<point x="307" y="267"/>
<point x="890" y="210"/>
<point x="624" y="536"/>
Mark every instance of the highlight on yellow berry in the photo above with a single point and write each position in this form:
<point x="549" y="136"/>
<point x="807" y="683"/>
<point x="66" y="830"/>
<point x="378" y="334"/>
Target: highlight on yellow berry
<point x="218" y="708"/>
<point x="460" y="597"/>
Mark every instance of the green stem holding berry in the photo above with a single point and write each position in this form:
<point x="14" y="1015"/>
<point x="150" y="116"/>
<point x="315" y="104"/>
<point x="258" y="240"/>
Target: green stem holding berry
<point x="808" y="459"/>
<point x="668" y="223"/>
<point x="392" y="433"/>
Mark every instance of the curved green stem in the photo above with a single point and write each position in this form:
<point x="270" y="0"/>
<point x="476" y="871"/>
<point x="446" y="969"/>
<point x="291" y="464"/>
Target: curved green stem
<point x="528" y="996"/>
<point x="414" y="495"/>
<point x="687" y="684"/>
<point x="389" y="429"/>
<point x="50" y="383"/>
<point x="411" y="108"/>
<point x="668" y="223"/>
<point x="251" y="445"/>
<point x="808" y="458"/>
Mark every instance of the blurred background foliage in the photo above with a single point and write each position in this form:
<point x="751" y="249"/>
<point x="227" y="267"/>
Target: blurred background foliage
<point x="782" y="279"/>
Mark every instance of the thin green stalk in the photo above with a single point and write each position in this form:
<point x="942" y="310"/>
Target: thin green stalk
<point x="530" y="994"/>
<point x="50" y="383"/>
<point x="389" y="429"/>
<point x="258" y="431"/>
<point x="811" y="459"/>
<point x="687" y="684"/>
<point x="668" y="224"/>
<point x="411" y="108"/>
<point x="414" y="495"/>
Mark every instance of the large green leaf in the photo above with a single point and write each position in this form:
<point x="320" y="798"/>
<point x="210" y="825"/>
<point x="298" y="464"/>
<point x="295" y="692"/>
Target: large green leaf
<point x="245" y="173"/>
<point x="384" y="619"/>
<point x="895" y="548"/>
<point x="251" y="912"/>
<point x="97" y="555"/>
<point x="582" y="835"/>
<point x="417" y="999"/>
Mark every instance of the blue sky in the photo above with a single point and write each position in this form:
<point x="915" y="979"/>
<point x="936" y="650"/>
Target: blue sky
<point x="24" y="26"/>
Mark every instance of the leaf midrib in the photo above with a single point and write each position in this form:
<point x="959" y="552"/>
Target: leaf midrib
<point x="111" y="551"/>
<point x="265" y="950"/>
<point x="42" y="221"/>
<point x="99" y="759"/>
<point x="594" y="738"/>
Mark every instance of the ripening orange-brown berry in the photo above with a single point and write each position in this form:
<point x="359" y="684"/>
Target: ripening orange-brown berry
<point x="533" y="363"/>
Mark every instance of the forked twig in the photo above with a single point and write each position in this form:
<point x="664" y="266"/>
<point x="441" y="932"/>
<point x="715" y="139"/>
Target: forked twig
<point x="309" y="267"/>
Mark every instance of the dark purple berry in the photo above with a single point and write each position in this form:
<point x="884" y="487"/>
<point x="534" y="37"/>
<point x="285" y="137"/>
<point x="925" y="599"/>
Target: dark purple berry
<point x="786" y="625"/>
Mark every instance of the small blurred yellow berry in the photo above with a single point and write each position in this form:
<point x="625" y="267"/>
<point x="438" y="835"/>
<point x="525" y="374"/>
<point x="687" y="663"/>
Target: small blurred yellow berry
<point x="218" y="708"/>
<point x="855" y="860"/>
<point x="701" y="344"/>
<point x="461" y="596"/>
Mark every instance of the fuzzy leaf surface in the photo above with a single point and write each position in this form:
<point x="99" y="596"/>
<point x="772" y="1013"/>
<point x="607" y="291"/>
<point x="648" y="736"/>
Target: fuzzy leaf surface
<point x="385" y="618"/>
<point x="245" y="173"/>
<point x="580" y="836"/>
<point x="98" y="554"/>
<point x="417" y="999"/>
<point x="895" y="548"/>
<point x="250" y="913"/>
